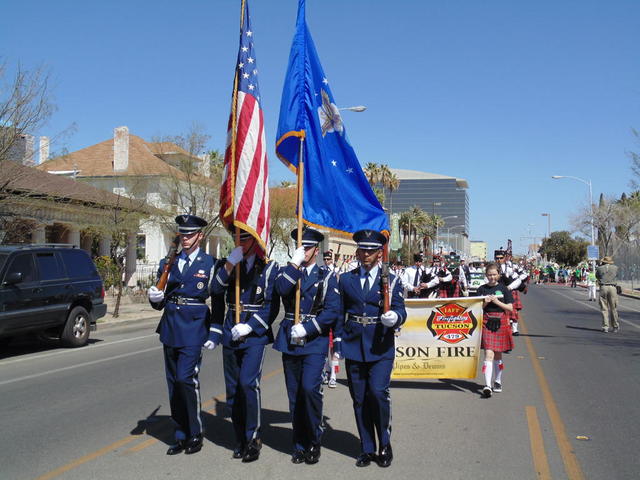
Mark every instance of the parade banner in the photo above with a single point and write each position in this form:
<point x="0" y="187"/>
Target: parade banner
<point x="440" y="339"/>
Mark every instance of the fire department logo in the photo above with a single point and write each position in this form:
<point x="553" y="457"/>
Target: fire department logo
<point x="451" y="323"/>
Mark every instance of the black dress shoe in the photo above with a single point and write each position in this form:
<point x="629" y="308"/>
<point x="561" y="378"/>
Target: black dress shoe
<point x="385" y="456"/>
<point x="238" y="452"/>
<point x="297" y="457"/>
<point x="193" y="445"/>
<point x="252" y="451"/>
<point x="364" y="459"/>
<point x="312" y="455"/>
<point x="176" y="448"/>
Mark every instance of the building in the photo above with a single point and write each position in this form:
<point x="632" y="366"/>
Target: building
<point x="479" y="250"/>
<point x="149" y="172"/>
<point x="435" y="194"/>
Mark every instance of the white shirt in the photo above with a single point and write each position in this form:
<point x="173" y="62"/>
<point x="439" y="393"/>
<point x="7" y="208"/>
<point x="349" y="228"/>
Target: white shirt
<point x="371" y="274"/>
<point x="182" y="260"/>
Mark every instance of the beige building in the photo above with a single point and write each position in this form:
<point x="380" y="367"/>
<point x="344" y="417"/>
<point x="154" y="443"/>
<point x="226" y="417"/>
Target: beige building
<point x="479" y="250"/>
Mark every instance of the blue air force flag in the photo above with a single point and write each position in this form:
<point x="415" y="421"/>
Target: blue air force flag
<point x="337" y="194"/>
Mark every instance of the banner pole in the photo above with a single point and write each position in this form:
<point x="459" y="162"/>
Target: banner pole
<point x="300" y="206"/>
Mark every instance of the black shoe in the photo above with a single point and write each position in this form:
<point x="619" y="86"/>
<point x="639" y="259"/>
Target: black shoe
<point x="385" y="456"/>
<point x="238" y="452"/>
<point x="364" y="459"/>
<point x="176" y="448"/>
<point x="193" y="445"/>
<point x="297" y="457"/>
<point x="252" y="451"/>
<point x="312" y="455"/>
<point x="486" y="392"/>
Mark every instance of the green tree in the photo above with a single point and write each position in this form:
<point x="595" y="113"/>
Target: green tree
<point x="564" y="249"/>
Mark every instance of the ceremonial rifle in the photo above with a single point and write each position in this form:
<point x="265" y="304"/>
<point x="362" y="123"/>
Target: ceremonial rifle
<point x="169" y="260"/>
<point x="384" y="277"/>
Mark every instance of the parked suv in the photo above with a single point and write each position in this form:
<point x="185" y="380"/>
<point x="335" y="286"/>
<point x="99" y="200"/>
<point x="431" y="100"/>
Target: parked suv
<point x="51" y="289"/>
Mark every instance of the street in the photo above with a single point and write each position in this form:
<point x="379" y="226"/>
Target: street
<point x="569" y="409"/>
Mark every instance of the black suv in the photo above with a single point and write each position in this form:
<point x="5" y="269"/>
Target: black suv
<point x="53" y="290"/>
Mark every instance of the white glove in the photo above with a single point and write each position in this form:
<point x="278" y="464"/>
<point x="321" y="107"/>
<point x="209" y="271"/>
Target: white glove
<point x="298" y="331"/>
<point x="155" y="295"/>
<point x="209" y="345"/>
<point x="298" y="256"/>
<point x="235" y="256"/>
<point x="389" y="318"/>
<point x="240" y="330"/>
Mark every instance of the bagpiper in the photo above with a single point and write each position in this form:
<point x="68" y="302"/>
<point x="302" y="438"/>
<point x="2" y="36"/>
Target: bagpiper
<point x="510" y="278"/>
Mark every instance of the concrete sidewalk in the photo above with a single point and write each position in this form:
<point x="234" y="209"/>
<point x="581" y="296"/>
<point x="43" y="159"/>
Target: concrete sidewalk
<point x="131" y="310"/>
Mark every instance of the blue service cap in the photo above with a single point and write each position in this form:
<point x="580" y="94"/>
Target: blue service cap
<point x="369" y="239"/>
<point x="190" y="223"/>
<point x="310" y="236"/>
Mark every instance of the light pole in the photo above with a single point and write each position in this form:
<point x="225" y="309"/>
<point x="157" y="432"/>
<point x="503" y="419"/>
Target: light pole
<point x="443" y="219"/>
<point x="433" y="214"/>
<point x="548" y="215"/>
<point x="588" y="183"/>
<point x="448" y="237"/>
<point x="357" y="108"/>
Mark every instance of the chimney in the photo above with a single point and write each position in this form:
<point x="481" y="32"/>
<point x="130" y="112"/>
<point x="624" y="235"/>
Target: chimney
<point x="44" y="149"/>
<point x="120" y="149"/>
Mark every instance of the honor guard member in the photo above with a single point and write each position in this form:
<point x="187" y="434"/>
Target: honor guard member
<point x="244" y="343"/>
<point x="304" y="345"/>
<point x="184" y="330"/>
<point x="512" y="281"/>
<point x="368" y="345"/>
<point x="329" y="265"/>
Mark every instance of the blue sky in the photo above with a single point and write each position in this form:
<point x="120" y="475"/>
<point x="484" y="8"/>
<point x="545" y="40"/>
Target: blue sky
<point x="502" y="93"/>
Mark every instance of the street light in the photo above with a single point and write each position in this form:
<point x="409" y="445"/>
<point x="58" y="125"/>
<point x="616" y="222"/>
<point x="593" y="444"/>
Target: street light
<point x="588" y="183"/>
<point x="548" y="215"/>
<point x="449" y="237"/>
<point x="357" y="108"/>
<point x="444" y="218"/>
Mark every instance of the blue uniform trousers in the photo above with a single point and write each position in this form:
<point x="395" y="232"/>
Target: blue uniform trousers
<point x="303" y="377"/>
<point x="369" y="388"/>
<point x="182" y="365"/>
<point x="242" y="373"/>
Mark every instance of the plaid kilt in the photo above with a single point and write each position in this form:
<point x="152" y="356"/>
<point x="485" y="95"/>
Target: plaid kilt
<point x="443" y="290"/>
<point x="517" y="301"/>
<point x="513" y="314"/>
<point x="500" y="341"/>
<point x="457" y="291"/>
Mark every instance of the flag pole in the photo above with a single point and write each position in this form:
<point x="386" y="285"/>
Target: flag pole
<point x="300" y="206"/>
<point x="234" y="134"/>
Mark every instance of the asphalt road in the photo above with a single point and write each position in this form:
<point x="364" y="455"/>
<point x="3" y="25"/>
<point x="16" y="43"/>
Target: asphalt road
<point x="100" y="412"/>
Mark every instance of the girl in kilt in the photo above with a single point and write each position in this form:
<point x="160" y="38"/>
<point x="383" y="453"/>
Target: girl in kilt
<point x="496" y="330"/>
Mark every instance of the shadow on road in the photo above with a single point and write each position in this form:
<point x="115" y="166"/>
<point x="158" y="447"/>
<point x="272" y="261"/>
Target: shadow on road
<point x="33" y="344"/>
<point x="425" y="385"/>
<point x="584" y="328"/>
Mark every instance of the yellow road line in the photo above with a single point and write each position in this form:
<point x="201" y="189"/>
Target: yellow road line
<point x="87" y="458"/>
<point x="571" y="465"/>
<point x="539" y="455"/>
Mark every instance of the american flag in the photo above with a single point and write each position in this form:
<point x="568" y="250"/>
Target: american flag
<point x="244" y="195"/>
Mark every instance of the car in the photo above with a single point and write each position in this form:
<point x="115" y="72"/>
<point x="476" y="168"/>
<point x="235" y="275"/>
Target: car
<point x="52" y="290"/>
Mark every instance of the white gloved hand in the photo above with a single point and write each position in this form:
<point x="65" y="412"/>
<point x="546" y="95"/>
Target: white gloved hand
<point x="389" y="318"/>
<point x="240" y="330"/>
<point x="155" y="295"/>
<point x="209" y="345"/>
<point x="235" y="256"/>
<point x="298" y="256"/>
<point x="298" y="331"/>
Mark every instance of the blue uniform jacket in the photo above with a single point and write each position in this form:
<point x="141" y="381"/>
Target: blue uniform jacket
<point x="317" y="339"/>
<point x="256" y="288"/>
<point x="186" y="325"/>
<point x="367" y="343"/>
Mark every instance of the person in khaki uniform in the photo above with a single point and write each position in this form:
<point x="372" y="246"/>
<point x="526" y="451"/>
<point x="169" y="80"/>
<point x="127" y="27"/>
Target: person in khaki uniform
<point x="606" y="275"/>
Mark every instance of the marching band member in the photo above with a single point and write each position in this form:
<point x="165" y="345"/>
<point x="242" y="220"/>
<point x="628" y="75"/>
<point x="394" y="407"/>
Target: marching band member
<point x="368" y="346"/>
<point x="512" y="281"/>
<point x="444" y="279"/>
<point x="496" y="333"/>
<point x="244" y="343"/>
<point x="304" y="345"/>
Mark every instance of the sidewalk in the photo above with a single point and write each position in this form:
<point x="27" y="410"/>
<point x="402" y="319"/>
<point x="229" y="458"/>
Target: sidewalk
<point x="130" y="311"/>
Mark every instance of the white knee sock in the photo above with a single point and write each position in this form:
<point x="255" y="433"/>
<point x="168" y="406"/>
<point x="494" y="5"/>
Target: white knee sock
<point x="498" y="366"/>
<point x="487" y="369"/>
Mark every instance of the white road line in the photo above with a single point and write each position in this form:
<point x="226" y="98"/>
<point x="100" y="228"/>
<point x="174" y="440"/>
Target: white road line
<point x="84" y="364"/>
<point x="595" y="308"/>
<point x="88" y="348"/>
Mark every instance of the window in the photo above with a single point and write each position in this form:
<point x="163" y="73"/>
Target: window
<point x="78" y="264"/>
<point x="141" y="247"/>
<point x="3" y="258"/>
<point x="24" y="264"/>
<point x="49" y="267"/>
